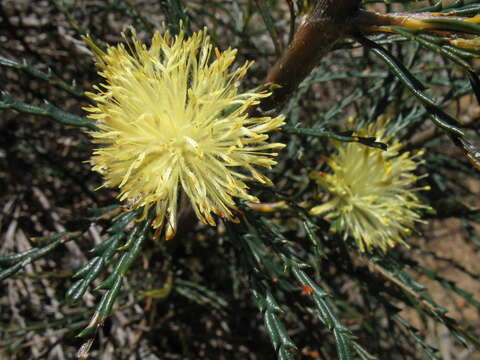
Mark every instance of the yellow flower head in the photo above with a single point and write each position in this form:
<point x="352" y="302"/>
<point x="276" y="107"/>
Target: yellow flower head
<point x="170" y="119"/>
<point x="370" y="191"/>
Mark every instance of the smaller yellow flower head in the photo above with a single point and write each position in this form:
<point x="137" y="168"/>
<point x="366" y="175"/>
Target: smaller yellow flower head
<point x="171" y="119"/>
<point x="370" y="191"/>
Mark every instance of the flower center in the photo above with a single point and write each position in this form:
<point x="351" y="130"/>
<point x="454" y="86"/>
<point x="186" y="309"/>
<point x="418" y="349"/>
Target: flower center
<point x="185" y="146"/>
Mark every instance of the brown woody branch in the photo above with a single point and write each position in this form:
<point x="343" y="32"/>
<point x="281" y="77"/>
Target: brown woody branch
<point x="315" y="37"/>
<point x="330" y="22"/>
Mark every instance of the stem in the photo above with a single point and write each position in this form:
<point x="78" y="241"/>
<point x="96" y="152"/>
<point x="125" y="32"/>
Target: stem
<point x="367" y="21"/>
<point x="334" y="20"/>
<point x="328" y="23"/>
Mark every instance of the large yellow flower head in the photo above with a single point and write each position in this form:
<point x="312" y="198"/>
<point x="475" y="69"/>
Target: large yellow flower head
<point x="370" y="193"/>
<point x="170" y="118"/>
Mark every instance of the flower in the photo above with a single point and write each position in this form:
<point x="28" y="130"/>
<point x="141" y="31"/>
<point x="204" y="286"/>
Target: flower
<point x="370" y="191"/>
<point x="171" y="119"/>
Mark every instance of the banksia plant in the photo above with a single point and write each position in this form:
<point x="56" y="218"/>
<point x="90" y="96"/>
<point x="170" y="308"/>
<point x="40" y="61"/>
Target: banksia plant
<point x="181" y="180"/>
<point x="371" y="193"/>
<point x="196" y="139"/>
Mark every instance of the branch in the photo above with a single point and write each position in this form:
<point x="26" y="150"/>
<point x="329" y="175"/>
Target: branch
<point x="335" y="20"/>
<point x="49" y="76"/>
<point x="49" y="110"/>
<point x="367" y="21"/>
<point x="328" y="23"/>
